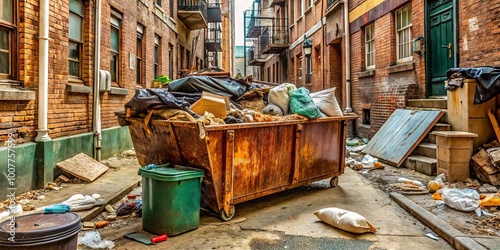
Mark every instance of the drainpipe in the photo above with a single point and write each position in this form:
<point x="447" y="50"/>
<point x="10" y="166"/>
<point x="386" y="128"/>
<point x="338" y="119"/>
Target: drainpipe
<point x="96" y="107"/>
<point x="43" y="75"/>
<point x="347" y="33"/>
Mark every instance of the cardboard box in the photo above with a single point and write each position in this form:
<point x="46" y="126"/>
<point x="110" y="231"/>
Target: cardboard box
<point x="215" y="104"/>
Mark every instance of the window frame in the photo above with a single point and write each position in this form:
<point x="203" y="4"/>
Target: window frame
<point x="171" y="61"/>
<point x="157" y="56"/>
<point x="78" y="77"/>
<point x="300" y="67"/>
<point x="13" y="31"/>
<point x="407" y="28"/>
<point x="139" y="80"/>
<point x="370" y="41"/>
<point x="157" y="3"/>
<point x="115" y="54"/>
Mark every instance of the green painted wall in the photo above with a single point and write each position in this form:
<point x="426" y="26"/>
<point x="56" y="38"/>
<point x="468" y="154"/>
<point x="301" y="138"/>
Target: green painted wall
<point x="35" y="162"/>
<point x="115" y="140"/>
<point x="24" y="165"/>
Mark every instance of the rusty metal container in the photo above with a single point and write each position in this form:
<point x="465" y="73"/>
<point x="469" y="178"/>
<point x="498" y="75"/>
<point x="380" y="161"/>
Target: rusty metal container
<point x="247" y="160"/>
<point x="41" y="231"/>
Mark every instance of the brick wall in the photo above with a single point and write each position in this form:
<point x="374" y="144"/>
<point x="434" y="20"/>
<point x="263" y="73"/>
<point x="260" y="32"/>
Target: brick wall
<point x="70" y="113"/>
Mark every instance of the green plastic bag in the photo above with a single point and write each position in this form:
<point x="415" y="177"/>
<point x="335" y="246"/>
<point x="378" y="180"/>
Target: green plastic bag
<point x="301" y="103"/>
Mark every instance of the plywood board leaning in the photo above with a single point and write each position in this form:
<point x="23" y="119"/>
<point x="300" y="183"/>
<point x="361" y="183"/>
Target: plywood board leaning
<point x="83" y="167"/>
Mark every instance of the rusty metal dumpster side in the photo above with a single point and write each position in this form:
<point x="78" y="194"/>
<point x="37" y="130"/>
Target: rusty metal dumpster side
<point x="246" y="161"/>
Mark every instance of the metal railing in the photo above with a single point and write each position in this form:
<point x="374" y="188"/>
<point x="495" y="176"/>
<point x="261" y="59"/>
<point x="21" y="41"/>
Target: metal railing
<point x="193" y="5"/>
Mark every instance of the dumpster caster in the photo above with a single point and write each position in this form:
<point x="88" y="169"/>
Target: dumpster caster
<point x="334" y="181"/>
<point x="226" y="217"/>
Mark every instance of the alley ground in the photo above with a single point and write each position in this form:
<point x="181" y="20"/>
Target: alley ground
<point x="286" y="221"/>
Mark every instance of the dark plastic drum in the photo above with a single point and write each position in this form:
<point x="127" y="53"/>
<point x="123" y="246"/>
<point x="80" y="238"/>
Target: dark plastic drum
<point x="41" y="231"/>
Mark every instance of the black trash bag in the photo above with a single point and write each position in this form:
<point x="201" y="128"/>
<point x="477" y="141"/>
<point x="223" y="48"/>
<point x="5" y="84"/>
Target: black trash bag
<point x="487" y="79"/>
<point x="147" y="99"/>
<point x="219" y="86"/>
<point x="188" y="97"/>
<point x="125" y="209"/>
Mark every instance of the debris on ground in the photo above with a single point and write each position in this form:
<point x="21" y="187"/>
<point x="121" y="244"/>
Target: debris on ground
<point x="345" y="220"/>
<point x="83" y="167"/>
<point x="93" y="240"/>
<point x="485" y="163"/>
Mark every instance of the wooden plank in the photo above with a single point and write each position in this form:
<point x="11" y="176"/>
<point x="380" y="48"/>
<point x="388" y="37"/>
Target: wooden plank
<point x="494" y="123"/>
<point x="83" y="167"/>
<point x="400" y="134"/>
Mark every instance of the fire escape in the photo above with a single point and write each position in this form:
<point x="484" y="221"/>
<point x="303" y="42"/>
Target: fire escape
<point x="264" y="33"/>
<point x="213" y="41"/>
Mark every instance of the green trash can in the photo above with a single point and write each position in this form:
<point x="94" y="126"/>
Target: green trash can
<point x="171" y="196"/>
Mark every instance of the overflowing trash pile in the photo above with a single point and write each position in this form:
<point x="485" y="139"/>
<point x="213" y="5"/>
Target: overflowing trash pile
<point x="227" y="101"/>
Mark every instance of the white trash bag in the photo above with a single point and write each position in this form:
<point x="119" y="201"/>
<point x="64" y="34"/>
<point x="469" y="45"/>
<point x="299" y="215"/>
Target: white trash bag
<point x="93" y="240"/>
<point x="461" y="199"/>
<point x="327" y="102"/>
<point x="345" y="220"/>
<point x="279" y="96"/>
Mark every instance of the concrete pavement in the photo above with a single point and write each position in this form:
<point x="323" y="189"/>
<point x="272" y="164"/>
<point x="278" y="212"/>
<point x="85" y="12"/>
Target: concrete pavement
<point x="286" y="221"/>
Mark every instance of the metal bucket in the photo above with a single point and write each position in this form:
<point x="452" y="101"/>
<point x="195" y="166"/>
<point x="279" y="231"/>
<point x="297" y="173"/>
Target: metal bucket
<point x="41" y="231"/>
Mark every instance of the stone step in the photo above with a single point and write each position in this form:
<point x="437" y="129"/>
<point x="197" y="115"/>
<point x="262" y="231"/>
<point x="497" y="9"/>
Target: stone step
<point x="421" y="164"/>
<point x="441" y="127"/>
<point x="427" y="103"/>
<point x="426" y="149"/>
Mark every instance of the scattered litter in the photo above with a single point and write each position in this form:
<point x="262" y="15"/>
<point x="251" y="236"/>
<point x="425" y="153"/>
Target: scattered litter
<point x="490" y="200"/>
<point x="369" y="160"/>
<point x="345" y="220"/>
<point x="146" y="238"/>
<point x="79" y="202"/>
<point x="93" y="240"/>
<point x="87" y="225"/>
<point x="101" y="224"/>
<point x="432" y="236"/>
<point x="62" y="178"/>
<point x="354" y="142"/>
<point x="357" y="148"/>
<point x="83" y="167"/>
<point x="109" y="209"/>
<point x="408" y="181"/>
<point x="57" y="209"/>
<point x="461" y="199"/>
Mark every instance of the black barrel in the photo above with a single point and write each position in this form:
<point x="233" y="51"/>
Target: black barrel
<point x="41" y="231"/>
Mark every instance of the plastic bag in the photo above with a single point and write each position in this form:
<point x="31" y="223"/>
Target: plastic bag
<point x="461" y="199"/>
<point x="93" y="240"/>
<point x="369" y="160"/>
<point x="279" y="96"/>
<point x="327" y="102"/>
<point x="302" y="104"/>
<point x="345" y="220"/>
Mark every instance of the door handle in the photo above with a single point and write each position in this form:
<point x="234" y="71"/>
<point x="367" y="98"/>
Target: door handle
<point x="449" y="49"/>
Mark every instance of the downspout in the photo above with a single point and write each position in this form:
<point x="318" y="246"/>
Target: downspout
<point x="43" y="75"/>
<point x="347" y="34"/>
<point x="96" y="107"/>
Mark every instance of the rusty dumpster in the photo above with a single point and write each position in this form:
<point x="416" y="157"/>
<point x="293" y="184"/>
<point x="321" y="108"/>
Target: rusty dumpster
<point x="247" y="160"/>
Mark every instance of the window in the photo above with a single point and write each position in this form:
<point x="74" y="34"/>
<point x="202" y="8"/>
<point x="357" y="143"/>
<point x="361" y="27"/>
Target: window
<point x="308" y="69"/>
<point x="369" y="47"/>
<point x="115" y="46"/>
<point x="300" y="66"/>
<point x="139" y="49"/>
<point x="301" y="7"/>
<point x="8" y="35"/>
<point x="366" y="117"/>
<point x="171" y="9"/>
<point x="157" y="56"/>
<point x="403" y="34"/>
<point x="309" y="3"/>
<point x="171" y="61"/>
<point x="75" y="38"/>
<point x="157" y="2"/>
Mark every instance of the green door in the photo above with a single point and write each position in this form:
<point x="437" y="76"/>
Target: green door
<point x="440" y="44"/>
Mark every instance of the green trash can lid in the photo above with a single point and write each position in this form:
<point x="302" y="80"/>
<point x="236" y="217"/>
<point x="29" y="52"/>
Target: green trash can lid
<point x="170" y="172"/>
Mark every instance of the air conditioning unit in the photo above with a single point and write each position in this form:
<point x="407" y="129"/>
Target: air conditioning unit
<point x="104" y="80"/>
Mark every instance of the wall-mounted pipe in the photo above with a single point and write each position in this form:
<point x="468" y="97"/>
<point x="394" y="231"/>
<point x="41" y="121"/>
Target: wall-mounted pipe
<point x="96" y="107"/>
<point x="43" y="73"/>
<point x="347" y="35"/>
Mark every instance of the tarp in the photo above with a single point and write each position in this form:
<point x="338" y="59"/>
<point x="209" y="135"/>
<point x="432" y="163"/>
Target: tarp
<point x="147" y="99"/>
<point x="487" y="79"/>
<point x="220" y="86"/>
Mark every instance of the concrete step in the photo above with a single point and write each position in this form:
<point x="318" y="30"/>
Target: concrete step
<point x="426" y="149"/>
<point x="427" y="103"/>
<point x="421" y="164"/>
<point x="441" y="127"/>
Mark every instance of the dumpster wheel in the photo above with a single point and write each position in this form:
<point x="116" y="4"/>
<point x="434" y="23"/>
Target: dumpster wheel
<point x="224" y="216"/>
<point x="334" y="181"/>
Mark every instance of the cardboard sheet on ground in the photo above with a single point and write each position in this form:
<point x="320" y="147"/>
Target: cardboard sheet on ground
<point x="83" y="167"/>
<point x="401" y="134"/>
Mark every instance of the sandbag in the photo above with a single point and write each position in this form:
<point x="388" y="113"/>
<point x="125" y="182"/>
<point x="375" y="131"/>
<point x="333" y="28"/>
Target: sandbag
<point x="345" y="220"/>
<point x="302" y="104"/>
<point x="279" y="96"/>
<point x="327" y="102"/>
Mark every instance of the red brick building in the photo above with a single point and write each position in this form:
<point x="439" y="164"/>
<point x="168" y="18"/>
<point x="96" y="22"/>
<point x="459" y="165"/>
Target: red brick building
<point x="377" y="53"/>
<point x="139" y="41"/>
